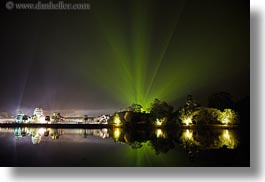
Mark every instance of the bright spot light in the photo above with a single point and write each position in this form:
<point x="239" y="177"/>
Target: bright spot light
<point x="117" y="120"/>
<point x="228" y="116"/>
<point x="158" y="122"/>
<point x="226" y="121"/>
<point x="187" y="121"/>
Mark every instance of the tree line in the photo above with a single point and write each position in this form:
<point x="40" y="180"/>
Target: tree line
<point x="221" y="109"/>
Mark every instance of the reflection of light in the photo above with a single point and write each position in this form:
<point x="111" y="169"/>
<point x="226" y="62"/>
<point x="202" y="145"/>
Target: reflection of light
<point x="187" y="135"/>
<point x="116" y="133"/>
<point x="104" y="130"/>
<point x="187" y="121"/>
<point x="159" y="133"/>
<point x="226" y="134"/>
<point x="105" y="133"/>
<point x="228" y="140"/>
<point x="36" y="139"/>
<point x="41" y="131"/>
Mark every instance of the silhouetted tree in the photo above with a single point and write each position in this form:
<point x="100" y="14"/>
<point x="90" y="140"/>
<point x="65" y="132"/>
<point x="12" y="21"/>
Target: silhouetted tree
<point x="189" y="107"/>
<point x="161" y="110"/>
<point x="135" y="108"/>
<point x="221" y="100"/>
<point x="85" y="118"/>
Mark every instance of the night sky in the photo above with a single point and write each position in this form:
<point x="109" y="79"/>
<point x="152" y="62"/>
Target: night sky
<point x="121" y="52"/>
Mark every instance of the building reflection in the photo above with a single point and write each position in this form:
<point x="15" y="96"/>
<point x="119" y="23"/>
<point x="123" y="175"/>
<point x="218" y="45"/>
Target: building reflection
<point x="37" y="134"/>
<point x="191" y="141"/>
<point x="101" y="133"/>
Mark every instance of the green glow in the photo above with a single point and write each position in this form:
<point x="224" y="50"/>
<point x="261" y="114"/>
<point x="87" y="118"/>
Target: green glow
<point x="144" y="54"/>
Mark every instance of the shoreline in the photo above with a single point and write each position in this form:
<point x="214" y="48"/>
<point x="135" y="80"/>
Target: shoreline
<point x="100" y="126"/>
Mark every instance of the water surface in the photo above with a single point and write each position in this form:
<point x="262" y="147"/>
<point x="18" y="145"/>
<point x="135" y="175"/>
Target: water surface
<point x="121" y="147"/>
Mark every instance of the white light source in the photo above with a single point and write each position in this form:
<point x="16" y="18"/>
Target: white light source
<point x="187" y="121"/>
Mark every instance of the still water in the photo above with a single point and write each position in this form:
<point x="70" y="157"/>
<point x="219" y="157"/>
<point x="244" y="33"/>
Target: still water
<point x="120" y="147"/>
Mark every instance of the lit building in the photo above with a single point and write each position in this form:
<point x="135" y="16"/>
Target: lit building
<point x="19" y="117"/>
<point x="38" y="112"/>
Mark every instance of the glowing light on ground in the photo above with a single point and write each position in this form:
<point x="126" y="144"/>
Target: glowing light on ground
<point x="228" y="116"/>
<point x="187" y="121"/>
<point x="158" y="122"/>
<point x="225" y="121"/>
<point x="117" y="120"/>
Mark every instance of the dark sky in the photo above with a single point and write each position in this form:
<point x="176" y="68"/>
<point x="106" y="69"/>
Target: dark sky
<point x="74" y="61"/>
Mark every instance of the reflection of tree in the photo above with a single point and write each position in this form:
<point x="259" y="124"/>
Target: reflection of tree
<point x="56" y="133"/>
<point x="228" y="140"/>
<point x="210" y="139"/>
<point x="162" y="145"/>
<point x="36" y="139"/>
<point x="102" y="133"/>
<point x="221" y="100"/>
<point x="136" y="145"/>
<point x="186" y="111"/>
<point x="195" y="141"/>
<point x="161" y="110"/>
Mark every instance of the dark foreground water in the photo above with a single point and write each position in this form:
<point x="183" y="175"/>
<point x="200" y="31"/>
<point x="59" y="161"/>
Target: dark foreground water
<point x="120" y="147"/>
